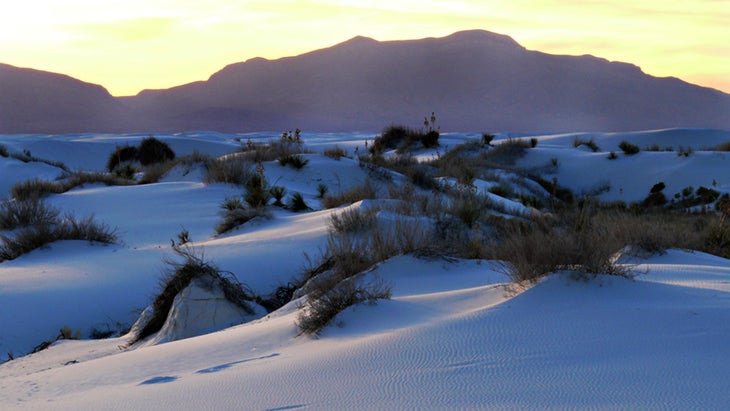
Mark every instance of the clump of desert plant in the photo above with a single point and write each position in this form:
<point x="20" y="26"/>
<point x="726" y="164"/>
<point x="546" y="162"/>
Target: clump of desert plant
<point x="235" y="213"/>
<point x="154" y="172"/>
<point x="628" y="148"/>
<point x="402" y="138"/>
<point x="231" y="169"/>
<point x="23" y="213"/>
<point x="507" y="152"/>
<point x="35" y="188"/>
<point x="4" y="151"/>
<point x="36" y="236"/>
<point x="353" y="220"/>
<point x="121" y="155"/>
<point x="179" y="275"/>
<point x="293" y="160"/>
<point x="721" y="147"/>
<point x="533" y="142"/>
<point x="590" y="143"/>
<point x="360" y="192"/>
<point x="278" y="193"/>
<point x="581" y="240"/>
<point x="335" y="153"/>
<point x="152" y="150"/>
<point x="297" y="203"/>
<point x="656" y="197"/>
<point x="612" y="155"/>
<point x="322" y="190"/>
<point x="684" y="151"/>
<point x="257" y="189"/>
<point x="487" y="139"/>
<point x="327" y="300"/>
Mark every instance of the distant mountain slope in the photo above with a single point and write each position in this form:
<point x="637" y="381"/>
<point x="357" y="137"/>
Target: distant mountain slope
<point x="473" y="80"/>
<point x="42" y="102"/>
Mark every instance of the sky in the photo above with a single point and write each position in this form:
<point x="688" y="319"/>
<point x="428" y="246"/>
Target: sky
<point x="131" y="45"/>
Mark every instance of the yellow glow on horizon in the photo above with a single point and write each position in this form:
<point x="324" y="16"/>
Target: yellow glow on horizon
<point x="130" y="45"/>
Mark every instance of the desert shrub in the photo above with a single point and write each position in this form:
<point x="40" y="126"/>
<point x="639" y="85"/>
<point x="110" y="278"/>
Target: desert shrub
<point x="318" y="312"/>
<point x="233" y="203"/>
<point x="294" y="160"/>
<point x="430" y="139"/>
<point x="121" y="154"/>
<point x="154" y="172"/>
<point x="487" y="138"/>
<point x="391" y="138"/>
<point x="322" y="190"/>
<point x="533" y="142"/>
<point x="655" y="199"/>
<point x="653" y="147"/>
<point x="257" y="190"/>
<point x="335" y="153"/>
<point x="402" y="138"/>
<point x="4" y="151"/>
<point x="178" y="275"/>
<point x="236" y="217"/>
<point x="590" y="143"/>
<point x="507" y="152"/>
<point x="297" y="203"/>
<point x="23" y="213"/>
<point x="79" y="178"/>
<point x="278" y="193"/>
<point x="36" y="236"/>
<point x="230" y="169"/>
<point x="580" y="240"/>
<point x="684" y="152"/>
<point x="706" y="195"/>
<point x="152" y="150"/>
<point x="556" y="190"/>
<point x="35" y="188"/>
<point x="658" y="187"/>
<point x="353" y="220"/>
<point x="357" y="193"/>
<point x="469" y="208"/>
<point x="612" y="155"/>
<point x="628" y="148"/>
<point x="721" y="147"/>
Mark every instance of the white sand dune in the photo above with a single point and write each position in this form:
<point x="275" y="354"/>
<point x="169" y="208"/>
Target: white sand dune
<point x="456" y="334"/>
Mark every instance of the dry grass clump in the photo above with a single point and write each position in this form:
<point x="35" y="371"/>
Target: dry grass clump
<point x="39" y="235"/>
<point x="352" y="248"/>
<point x="335" y="153"/>
<point x="230" y="169"/>
<point x="179" y="275"/>
<point x="23" y="213"/>
<point x="35" y="188"/>
<point x="357" y="193"/>
<point x="236" y="213"/>
<point x="590" y="143"/>
<point x="723" y="147"/>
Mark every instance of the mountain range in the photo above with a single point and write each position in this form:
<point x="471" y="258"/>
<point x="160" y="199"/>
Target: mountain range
<point x="473" y="80"/>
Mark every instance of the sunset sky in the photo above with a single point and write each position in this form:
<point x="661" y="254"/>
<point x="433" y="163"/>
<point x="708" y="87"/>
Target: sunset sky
<point x="130" y="45"/>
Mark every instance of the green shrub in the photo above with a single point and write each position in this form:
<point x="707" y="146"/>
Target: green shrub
<point x="628" y="148"/>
